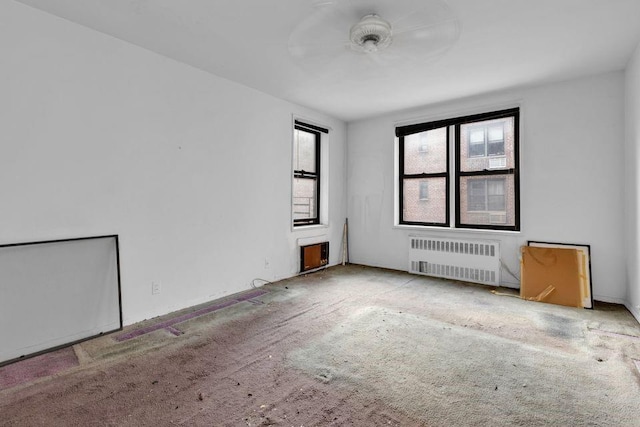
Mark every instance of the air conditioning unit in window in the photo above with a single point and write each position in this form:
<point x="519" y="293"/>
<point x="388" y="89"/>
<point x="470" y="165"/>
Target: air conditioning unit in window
<point x="497" y="162"/>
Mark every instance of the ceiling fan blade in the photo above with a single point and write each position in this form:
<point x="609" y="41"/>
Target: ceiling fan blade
<point x="432" y="28"/>
<point x="427" y="41"/>
<point x="428" y="12"/>
<point x="322" y="32"/>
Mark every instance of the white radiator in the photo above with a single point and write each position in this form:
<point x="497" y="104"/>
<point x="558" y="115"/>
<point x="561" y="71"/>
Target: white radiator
<point x="467" y="260"/>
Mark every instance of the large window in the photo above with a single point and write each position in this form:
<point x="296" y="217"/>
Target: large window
<point x="306" y="173"/>
<point x="465" y="165"/>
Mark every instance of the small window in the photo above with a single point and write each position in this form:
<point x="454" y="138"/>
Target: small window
<point x="495" y="140"/>
<point x="424" y="190"/>
<point x="477" y="143"/>
<point x="487" y="140"/>
<point x="486" y="195"/>
<point x="424" y="144"/>
<point x="306" y="174"/>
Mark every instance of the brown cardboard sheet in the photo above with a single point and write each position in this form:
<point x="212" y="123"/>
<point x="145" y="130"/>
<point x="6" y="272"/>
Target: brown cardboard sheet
<point x="554" y="275"/>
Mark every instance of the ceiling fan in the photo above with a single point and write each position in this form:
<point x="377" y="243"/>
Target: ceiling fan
<point x="357" y="36"/>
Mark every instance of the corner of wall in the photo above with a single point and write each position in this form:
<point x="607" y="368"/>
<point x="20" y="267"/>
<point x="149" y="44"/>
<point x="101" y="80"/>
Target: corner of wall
<point x="635" y="311"/>
<point x="632" y="182"/>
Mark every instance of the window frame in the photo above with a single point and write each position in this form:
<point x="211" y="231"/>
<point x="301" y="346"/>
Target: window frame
<point x="302" y="174"/>
<point x="453" y="125"/>
<point x="402" y="177"/>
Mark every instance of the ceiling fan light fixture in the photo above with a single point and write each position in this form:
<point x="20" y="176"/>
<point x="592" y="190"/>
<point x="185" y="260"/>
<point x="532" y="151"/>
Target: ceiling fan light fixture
<point x="370" y="34"/>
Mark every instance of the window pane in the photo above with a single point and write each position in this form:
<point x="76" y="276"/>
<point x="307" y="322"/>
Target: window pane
<point x="495" y="148"/>
<point x="424" y="190"/>
<point x="487" y="200"/>
<point x="433" y="208"/>
<point x="497" y="152"/>
<point x="496" y="133"/>
<point x="477" y="195"/>
<point x="476" y="150"/>
<point x="426" y="152"/>
<point x="304" y="198"/>
<point x="476" y="136"/>
<point x="496" y="194"/>
<point x="304" y="151"/>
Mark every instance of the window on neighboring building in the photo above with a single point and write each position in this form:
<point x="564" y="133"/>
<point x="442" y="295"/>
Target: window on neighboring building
<point x="483" y="172"/>
<point x="486" y="194"/>
<point x="424" y="190"/>
<point x="486" y="140"/>
<point x="306" y="174"/>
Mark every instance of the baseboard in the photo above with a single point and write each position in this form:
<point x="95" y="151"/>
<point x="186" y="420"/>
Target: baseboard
<point x="633" y="310"/>
<point x="610" y="300"/>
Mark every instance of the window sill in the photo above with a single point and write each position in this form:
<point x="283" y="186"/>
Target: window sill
<point x="309" y="227"/>
<point x="428" y="228"/>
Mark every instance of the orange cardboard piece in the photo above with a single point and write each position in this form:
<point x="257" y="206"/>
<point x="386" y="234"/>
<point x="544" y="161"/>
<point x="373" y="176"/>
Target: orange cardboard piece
<point x="553" y="275"/>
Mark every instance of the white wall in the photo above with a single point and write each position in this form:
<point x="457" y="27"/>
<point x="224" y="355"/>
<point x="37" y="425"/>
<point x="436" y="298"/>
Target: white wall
<point x="632" y="191"/>
<point x="572" y="137"/>
<point x="193" y="172"/>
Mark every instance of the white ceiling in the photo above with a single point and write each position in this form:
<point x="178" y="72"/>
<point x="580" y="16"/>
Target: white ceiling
<point x="501" y="44"/>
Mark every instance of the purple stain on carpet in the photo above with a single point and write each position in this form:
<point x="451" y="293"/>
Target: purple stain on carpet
<point x="249" y="295"/>
<point x="168" y="324"/>
<point x="37" y="367"/>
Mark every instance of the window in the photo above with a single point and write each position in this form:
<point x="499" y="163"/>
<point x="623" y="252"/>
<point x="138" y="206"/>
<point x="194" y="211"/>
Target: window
<point x="424" y="190"/>
<point x="306" y="173"/>
<point x="486" y="195"/>
<point x="423" y="172"/>
<point x="423" y="143"/>
<point x="486" y="140"/>
<point x="483" y="172"/>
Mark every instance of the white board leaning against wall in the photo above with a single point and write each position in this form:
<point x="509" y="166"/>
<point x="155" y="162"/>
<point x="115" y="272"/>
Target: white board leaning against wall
<point x="55" y="293"/>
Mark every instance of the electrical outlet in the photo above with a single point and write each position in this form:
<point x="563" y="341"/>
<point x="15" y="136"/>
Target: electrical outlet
<point x="155" y="288"/>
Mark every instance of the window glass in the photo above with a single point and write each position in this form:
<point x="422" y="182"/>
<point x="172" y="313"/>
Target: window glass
<point x="487" y="201"/>
<point x="495" y="194"/>
<point x="426" y="152"/>
<point x="304" y="198"/>
<point x="306" y="176"/>
<point x="304" y="154"/>
<point x="494" y="150"/>
<point x="424" y="190"/>
<point x="476" y="136"/>
<point x="496" y="133"/>
<point x="425" y="166"/>
<point x="433" y="208"/>
<point x="477" y="195"/>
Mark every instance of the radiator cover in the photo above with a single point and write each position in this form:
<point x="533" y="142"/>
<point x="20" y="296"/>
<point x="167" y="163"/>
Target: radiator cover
<point x="469" y="260"/>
